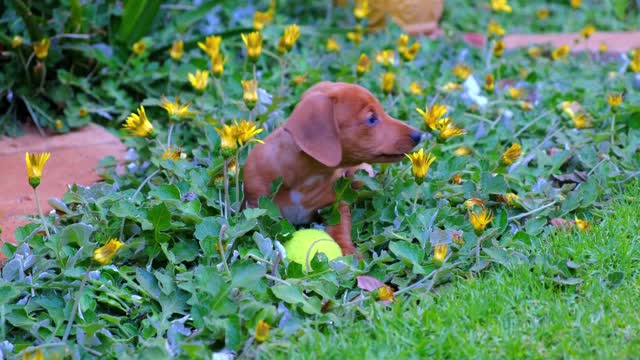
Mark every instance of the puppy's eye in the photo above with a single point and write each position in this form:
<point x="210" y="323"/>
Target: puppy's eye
<point x="372" y="120"/>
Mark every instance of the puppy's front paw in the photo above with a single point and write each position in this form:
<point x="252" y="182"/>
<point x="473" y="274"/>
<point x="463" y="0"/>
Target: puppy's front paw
<point x="349" y="172"/>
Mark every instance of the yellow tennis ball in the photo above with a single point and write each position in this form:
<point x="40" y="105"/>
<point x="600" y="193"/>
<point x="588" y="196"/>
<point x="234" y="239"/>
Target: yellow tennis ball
<point x="304" y="245"/>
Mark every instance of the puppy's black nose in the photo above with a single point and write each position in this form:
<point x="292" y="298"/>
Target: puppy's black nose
<point x="417" y="137"/>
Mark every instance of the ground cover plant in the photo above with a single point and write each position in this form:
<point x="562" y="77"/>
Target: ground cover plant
<point x="159" y="260"/>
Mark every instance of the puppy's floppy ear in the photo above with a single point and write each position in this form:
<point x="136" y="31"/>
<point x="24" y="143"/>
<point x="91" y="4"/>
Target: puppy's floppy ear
<point x="315" y="130"/>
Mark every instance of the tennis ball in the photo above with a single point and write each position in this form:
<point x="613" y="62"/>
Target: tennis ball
<point x="304" y="245"/>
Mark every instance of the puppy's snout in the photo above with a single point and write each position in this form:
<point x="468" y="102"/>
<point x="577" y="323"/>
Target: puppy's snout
<point x="417" y="136"/>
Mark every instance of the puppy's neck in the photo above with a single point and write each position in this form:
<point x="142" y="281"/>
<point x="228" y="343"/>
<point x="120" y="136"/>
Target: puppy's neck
<point x="305" y="166"/>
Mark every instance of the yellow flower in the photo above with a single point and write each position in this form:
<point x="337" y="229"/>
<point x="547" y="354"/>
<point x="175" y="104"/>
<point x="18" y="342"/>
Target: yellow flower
<point x="456" y="179"/>
<point x="228" y="140"/>
<point x="262" y="331"/>
<point x="534" y="52"/>
<point x="576" y="3"/>
<point x="495" y="29"/>
<point x="614" y="100"/>
<point x="560" y="53"/>
<point x="432" y="115"/>
<point x="542" y="13"/>
<point x="288" y="39"/>
<point x="17" y="41"/>
<point x="489" y="82"/>
<point x="250" y="92"/>
<point x="388" y="80"/>
<point x="35" y="163"/>
<point x="498" y="48"/>
<point x="514" y="92"/>
<point x="59" y="124"/>
<point x="420" y="163"/>
<point x="245" y="131"/>
<point x="402" y="43"/>
<point x="355" y="36"/>
<point x="587" y="31"/>
<point x="211" y="45"/>
<point x="171" y="153"/>
<point x="470" y="203"/>
<point x="363" y="65"/>
<point x="456" y="236"/>
<point x="176" y="50"/>
<point x="415" y="88"/>
<point x="440" y="252"/>
<point x="175" y="109"/>
<point x="583" y="225"/>
<point x="386" y="57"/>
<point x="104" y="254"/>
<point x="41" y="48"/>
<point x="447" y="130"/>
<point x="581" y="121"/>
<point x="462" y="71"/>
<point x="635" y="61"/>
<point x="525" y="105"/>
<point x="200" y="80"/>
<point x="509" y="198"/>
<point x="139" y="47"/>
<point x="332" y="45"/>
<point x="299" y="79"/>
<point x="217" y="65"/>
<point x="411" y="53"/>
<point x="603" y="47"/>
<point x="361" y="9"/>
<point x="385" y="293"/>
<point x="253" y="44"/>
<point x="500" y="5"/>
<point x="462" y="151"/>
<point x="451" y="86"/>
<point x="260" y="19"/>
<point x="138" y="124"/>
<point x="512" y="154"/>
<point x="33" y="355"/>
<point x="480" y="220"/>
<point x="83" y="112"/>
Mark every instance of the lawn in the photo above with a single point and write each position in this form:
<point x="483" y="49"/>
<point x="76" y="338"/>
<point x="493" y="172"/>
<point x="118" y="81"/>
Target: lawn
<point x="514" y="311"/>
<point x="518" y="240"/>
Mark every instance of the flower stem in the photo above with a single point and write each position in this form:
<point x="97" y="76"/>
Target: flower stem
<point x="221" y="248"/>
<point x="146" y="180"/>
<point x="613" y="128"/>
<point x="44" y="221"/>
<point x="226" y="188"/>
<point x="169" y="134"/>
<point x="44" y="76"/>
<point x="237" y="179"/>
<point x="76" y="302"/>
<point x="220" y="90"/>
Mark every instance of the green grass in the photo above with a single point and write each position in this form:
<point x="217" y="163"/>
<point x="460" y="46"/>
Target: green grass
<point x="512" y="312"/>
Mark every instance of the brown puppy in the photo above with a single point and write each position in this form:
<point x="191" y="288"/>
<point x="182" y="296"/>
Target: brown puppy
<point x="336" y="129"/>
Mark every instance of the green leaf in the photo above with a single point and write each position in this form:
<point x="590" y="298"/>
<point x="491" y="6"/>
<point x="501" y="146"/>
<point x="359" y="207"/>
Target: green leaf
<point x="272" y="210"/>
<point x="493" y="184"/>
<point x="148" y="282"/>
<point x="293" y="295"/>
<point x="79" y="234"/>
<point x="166" y="192"/>
<point x="409" y="253"/>
<point x="160" y="219"/>
<point x="209" y="226"/>
<point x="246" y="274"/>
<point x="137" y="19"/>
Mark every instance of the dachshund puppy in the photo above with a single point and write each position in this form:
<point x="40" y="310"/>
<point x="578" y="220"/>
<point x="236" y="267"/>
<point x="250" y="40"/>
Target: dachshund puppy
<point x="335" y="129"/>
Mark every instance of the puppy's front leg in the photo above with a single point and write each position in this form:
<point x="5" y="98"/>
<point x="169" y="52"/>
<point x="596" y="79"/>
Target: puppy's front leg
<point x="341" y="232"/>
<point x="349" y="172"/>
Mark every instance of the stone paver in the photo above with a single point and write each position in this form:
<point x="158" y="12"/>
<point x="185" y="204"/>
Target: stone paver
<point x="74" y="157"/>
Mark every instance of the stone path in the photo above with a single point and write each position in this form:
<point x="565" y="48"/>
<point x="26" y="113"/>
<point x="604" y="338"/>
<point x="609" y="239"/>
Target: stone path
<point x="74" y="157"/>
<point x="616" y="41"/>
